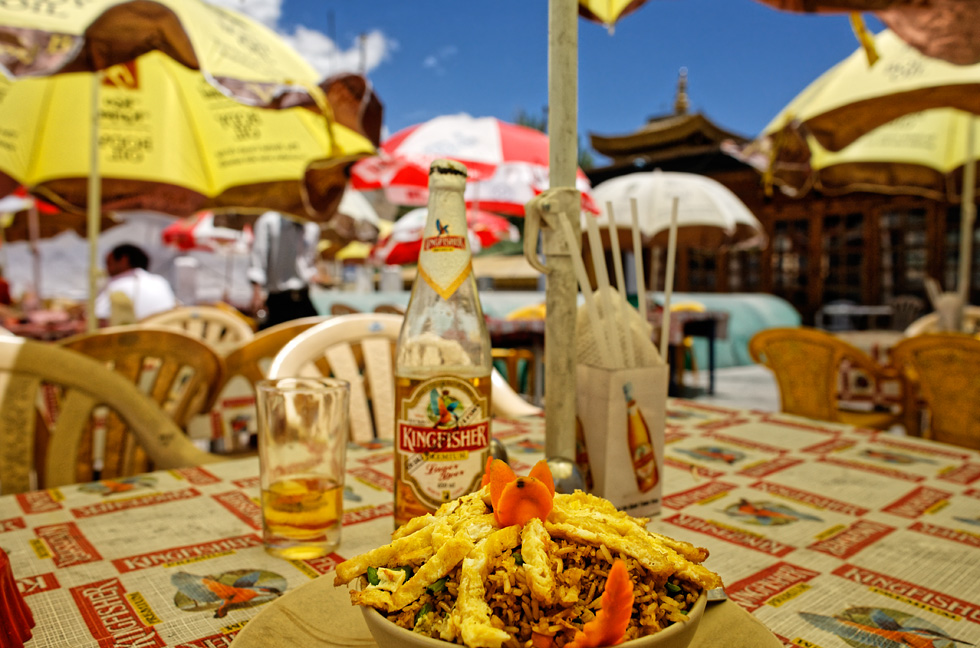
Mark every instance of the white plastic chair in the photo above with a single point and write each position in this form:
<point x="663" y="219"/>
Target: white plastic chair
<point x="224" y="331"/>
<point x="360" y="348"/>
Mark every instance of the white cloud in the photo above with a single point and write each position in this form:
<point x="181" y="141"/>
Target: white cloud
<point x="438" y="60"/>
<point x="324" y="54"/>
<point x="315" y="46"/>
<point x="266" y="12"/>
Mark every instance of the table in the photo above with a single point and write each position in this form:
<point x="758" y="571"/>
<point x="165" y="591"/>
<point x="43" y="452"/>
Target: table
<point x="709" y="324"/>
<point x="806" y="521"/>
<point x="841" y="314"/>
<point x="521" y="333"/>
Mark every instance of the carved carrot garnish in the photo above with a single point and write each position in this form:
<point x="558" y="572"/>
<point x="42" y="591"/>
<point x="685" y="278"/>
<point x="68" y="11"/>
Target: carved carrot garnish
<point x="609" y="626"/>
<point x="516" y="499"/>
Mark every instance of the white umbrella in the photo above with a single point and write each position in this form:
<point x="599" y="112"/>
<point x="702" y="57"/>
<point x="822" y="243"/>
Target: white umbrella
<point x="709" y="215"/>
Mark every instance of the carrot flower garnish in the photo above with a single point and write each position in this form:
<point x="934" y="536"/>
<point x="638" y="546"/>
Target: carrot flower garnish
<point x="609" y="626"/>
<point x="516" y="499"/>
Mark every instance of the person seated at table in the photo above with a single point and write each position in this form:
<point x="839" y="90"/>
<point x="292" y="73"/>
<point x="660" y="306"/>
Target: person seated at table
<point x="132" y="290"/>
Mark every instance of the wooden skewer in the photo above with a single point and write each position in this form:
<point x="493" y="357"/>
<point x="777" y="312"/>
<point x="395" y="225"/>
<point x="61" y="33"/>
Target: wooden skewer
<point x="624" y="305"/>
<point x="602" y="279"/>
<point x="669" y="280"/>
<point x="583" y="282"/>
<point x="641" y="289"/>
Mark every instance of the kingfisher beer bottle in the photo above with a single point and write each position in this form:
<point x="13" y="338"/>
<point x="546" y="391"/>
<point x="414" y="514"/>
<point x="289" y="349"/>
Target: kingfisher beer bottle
<point x="640" y="443"/>
<point x="442" y="372"/>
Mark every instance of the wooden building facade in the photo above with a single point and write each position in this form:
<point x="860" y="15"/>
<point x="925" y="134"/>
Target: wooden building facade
<point x="861" y="248"/>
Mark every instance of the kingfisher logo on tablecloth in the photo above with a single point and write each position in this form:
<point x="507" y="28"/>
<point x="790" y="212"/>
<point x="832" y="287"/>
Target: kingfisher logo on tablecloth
<point x="12" y="524"/>
<point x="108" y="487"/>
<point x="242" y="507"/>
<point x="813" y="499"/>
<point x="965" y="474"/>
<point x="112" y="506"/>
<point x="67" y="544"/>
<point x="195" y="475"/>
<point x="853" y="539"/>
<point x="185" y="554"/>
<point x="44" y="501"/>
<point x="917" y="502"/>
<point x="753" y="592"/>
<point x="38" y="584"/>
<point x="373" y="478"/>
<point x="731" y="534"/>
<point x="703" y="493"/>
<point x="769" y="467"/>
<point x="368" y="513"/>
<point x="940" y="602"/>
<point x="110" y="616"/>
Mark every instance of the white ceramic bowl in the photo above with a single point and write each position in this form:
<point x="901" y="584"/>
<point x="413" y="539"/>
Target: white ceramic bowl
<point x="389" y="635"/>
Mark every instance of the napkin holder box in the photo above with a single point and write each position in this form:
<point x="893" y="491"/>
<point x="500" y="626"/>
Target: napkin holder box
<point x="614" y="434"/>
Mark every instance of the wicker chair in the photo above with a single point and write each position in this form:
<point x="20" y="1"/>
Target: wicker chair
<point x="944" y="368"/>
<point x="806" y="363"/>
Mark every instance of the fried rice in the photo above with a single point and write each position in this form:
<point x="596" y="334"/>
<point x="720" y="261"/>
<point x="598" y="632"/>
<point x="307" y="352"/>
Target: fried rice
<point x="581" y="538"/>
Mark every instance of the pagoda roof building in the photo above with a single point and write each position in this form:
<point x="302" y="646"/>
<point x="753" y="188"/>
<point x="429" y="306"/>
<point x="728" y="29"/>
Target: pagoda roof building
<point x="680" y="141"/>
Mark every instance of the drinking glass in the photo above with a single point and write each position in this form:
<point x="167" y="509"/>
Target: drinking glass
<point x="303" y="431"/>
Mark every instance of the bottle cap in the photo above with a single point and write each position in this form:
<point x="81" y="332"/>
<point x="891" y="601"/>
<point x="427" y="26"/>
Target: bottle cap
<point x="450" y="167"/>
<point x="16" y="619"/>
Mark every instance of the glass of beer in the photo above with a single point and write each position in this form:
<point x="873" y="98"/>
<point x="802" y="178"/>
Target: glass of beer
<point x="303" y="431"/>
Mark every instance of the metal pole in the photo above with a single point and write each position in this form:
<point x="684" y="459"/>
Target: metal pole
<point x="968" y="215"/>
<point x="94" y="205"/>
<point x="560" y="290"/>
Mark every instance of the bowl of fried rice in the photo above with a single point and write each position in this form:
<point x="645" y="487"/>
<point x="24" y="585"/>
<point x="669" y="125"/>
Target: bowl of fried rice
<point x="574" y="571"/>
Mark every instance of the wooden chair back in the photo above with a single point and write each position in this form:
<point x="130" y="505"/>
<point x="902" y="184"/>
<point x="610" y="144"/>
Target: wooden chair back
<point x="342" y="309"/>
<point x="179" y="372"/>
<point x="222" y="330"/>
<point x="945" y="369"/>
<point x="807" y="364"/>
<point x="54" y="402"/>
<point x="360" y="348"/>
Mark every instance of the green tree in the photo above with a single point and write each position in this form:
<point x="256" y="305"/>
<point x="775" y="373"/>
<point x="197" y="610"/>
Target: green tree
<point x="540" y="123"/>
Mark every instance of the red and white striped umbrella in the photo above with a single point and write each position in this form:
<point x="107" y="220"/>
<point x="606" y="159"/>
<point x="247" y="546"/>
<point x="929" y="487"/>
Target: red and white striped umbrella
<point x="507" y="163"/>
<point x="198" y="232"/>
<point x="404" y="242"/>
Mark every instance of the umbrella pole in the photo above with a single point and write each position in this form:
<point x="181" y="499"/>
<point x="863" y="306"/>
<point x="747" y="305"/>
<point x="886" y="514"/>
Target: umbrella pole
<point x="560" y="292"/>
<point x="94" y="206"/>
<point x="968" y="215"/>
<point x="34" y="234"/>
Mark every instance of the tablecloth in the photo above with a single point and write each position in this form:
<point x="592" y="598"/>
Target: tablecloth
<point x="820" y="530"/>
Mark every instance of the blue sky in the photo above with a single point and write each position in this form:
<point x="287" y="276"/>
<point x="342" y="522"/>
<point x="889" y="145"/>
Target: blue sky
<point x="425" y="58"/>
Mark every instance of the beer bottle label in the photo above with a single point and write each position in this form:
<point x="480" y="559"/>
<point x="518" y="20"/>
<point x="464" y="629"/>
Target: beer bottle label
<point x="443" y="438"/>
<point x="444" y="260"/>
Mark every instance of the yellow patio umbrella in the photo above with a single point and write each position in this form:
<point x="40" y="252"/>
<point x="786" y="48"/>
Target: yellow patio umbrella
<point x="607" y="12"/>
<point x="919" y="154"/>
<point x="241" y="57"/>
<point x="853" y="97"/>
<point x="169" y="142"/>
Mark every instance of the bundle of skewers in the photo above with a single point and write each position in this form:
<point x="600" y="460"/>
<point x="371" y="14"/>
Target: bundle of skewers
<point x="611" y="332"/>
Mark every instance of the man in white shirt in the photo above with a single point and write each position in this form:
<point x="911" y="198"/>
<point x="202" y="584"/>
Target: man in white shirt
<point x="282" y="265"/>
<point x="148" y="293"/>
